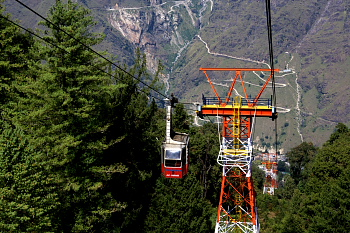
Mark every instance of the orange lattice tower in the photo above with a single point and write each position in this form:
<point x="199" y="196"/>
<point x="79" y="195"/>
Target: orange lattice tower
<point x="237" y="210"/>
<point x="271" y="172"/>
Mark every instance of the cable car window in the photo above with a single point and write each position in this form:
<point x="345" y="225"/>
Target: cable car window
<point x="172" y="163"/>
<point x="173" y="154"/>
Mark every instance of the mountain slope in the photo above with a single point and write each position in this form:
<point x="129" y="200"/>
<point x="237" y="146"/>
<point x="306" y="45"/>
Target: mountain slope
<point x="310" y="44"/>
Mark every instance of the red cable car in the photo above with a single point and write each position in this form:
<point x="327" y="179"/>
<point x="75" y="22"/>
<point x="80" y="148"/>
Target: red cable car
<point x="175" y="160"/>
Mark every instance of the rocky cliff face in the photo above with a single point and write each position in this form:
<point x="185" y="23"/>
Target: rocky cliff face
<point x="158" y="29"/>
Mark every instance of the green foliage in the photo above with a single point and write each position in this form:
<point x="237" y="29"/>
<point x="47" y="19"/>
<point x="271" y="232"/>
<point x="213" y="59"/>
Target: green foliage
<point x="186" y="205"/>
<point x="138" y="149"/>
<point x="29" y="193"/>
<point x="93" y="133"/>
<point x="88" y="143"/>
<point x="270" y="210"/>
<point x="67" y="108"/>
<point x="79" y="149"/>
<point x="181" y="120"/>
<point x="288" y="188"/>
<point x="282" y="166"/>
<point x="14" y="53"/>
<point x="204" y="148"/>
<point x="67" y="99"/>
<point x="178" y="206"/>
<point x="320" y="204"/>
<point x="298" y="158"/>
<point x="341" y="131"/>
<point x="258" y="177"/>
<point x="328" y="187"/>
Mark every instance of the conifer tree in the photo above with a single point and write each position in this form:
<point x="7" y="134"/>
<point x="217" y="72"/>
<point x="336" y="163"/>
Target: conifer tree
<point x="299" y="157"/>
<point x="328" y="199"/>
<point x="178" y="206"/>
<point x="28" y="192"/>
<point x="203" y="154"/>
<point x="321" y="203"/>
<point x="139" y="148"/>
<point x="67" y="107"/>
<point x="14" y="55"/>
<point x="181" y="120"/>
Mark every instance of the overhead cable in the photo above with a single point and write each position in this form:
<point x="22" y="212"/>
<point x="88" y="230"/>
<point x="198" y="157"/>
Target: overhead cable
<point x="64" y="50"/>
<point x="269" y="32"/>
<point x="90" y="49"/>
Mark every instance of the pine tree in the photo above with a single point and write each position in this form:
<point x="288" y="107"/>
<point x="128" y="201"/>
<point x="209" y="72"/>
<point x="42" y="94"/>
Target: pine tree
<point x="299" y="157"/>
<point x="328" y="197"/>
<point x="321" y="203"/>
<point x="67" y="107"/>
<point x="178" y="206"/>
<point x="14" y="55"/>
<point x="204" y="149"/>
<point x="139" y="148"/>
<point x="28" y="192"/>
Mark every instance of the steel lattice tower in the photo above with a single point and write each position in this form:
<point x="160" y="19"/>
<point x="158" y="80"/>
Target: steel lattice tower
<point x="271" y="172"/>
<point x="237" y="211"/>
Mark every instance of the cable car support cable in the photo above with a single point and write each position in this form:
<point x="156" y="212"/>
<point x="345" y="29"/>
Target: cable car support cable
<point x="269" y="32"/>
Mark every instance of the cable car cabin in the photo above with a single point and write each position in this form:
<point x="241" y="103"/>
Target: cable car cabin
<point x="174" y="156"/>
<point x="175" y="161"/>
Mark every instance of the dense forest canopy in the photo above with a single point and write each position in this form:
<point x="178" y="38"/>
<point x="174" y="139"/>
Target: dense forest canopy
<point x="315" y="197"/>
<point x="80" y="147"/>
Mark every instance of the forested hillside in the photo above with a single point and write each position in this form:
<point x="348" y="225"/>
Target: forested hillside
<point x="80" y="146"/>
<point x="315" y="197"/>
